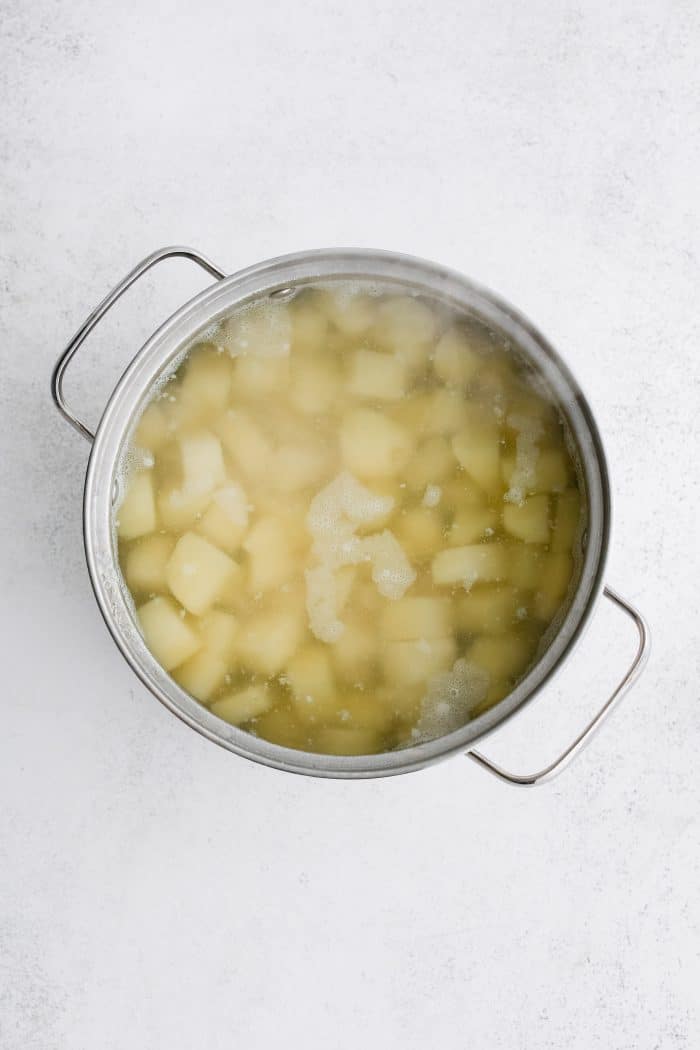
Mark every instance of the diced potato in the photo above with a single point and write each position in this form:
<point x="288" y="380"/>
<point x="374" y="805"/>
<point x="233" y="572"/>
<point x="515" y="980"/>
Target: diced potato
<point x="351" y="313"/>
<point x="356" y="652"/>
<point x="392" y="572"/>
<point x="348" y="742"/>
<point x="389" y="490"/>
<point x="314" y="385"/>
<point x="218" y="631"/>
<point x="412" y="618"/>
<point x="310" y="676"/>
<point x="245" y="443"/>
<point x="207" y="382"/>
<point x="267" y="642"/>
<point x="225" y="521"/>
<point x="472" y="524"/>
<point x="488" y="609"/>
<point x="145" y="564"/>
<point x="261" y="376"/>
<point x="179" y="509"/>
<point x="137" y="513"/>
<point x="364" y="711"/>
<point x="554" y="581"/>
<point x="381" y="377"/>
<point x="152" y="431"/>
<point x="420" y="532"/>
<point x="478" y="450"/>
<point x="445" y="412"/>
<point x="271" y="557"/>
<point x="567" y="520"/>
<point x="414" y="662"/>
<point x="300" y="466"/>
<point x="525" y="565"/>
<point x="461" y="492"/>
<point x="169" y="637"/>
<point x="406" y="326"/>
<point x="282" y="727"/>
<point x="550" y="470"/>
<point x="309" y="326"/>
<point x="202" y="674"/>
<point x="264" y="330"/>
<point x="529" y="520"/>
<point x="502" y="655"/>
<point x="242" y="705"/>
<point x="484" y="562"/>
<point x="203" y="468"/>
<point x="430" y="465"/>
<point x="455" y="361"/>
<point x="372" y="445"/>
<point x="198" y="572"/>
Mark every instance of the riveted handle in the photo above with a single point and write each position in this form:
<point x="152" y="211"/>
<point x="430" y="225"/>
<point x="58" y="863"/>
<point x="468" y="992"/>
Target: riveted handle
<point x="584" y="737"/>
<point x="177" y="251"/>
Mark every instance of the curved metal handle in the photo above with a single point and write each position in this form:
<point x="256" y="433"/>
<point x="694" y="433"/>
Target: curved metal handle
<point x="636" y="668"/>
<point x="101" y="309"/>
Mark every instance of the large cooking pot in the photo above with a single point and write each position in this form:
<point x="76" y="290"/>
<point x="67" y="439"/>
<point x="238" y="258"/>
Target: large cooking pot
<point x="279" y="277"/>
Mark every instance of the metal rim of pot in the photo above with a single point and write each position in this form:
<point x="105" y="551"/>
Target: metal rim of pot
<point x="276" y="277"/>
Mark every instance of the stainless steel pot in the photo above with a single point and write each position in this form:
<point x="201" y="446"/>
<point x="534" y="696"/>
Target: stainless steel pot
<point x="157" y="356"/>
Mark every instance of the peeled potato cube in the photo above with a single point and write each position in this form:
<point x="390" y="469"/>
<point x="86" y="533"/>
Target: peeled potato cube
<point x="553" y="584"/>
<point x="242" y="705"/>
<point x="267" y="642"/>
<point x="218" y="631"/>
<point x="419" y="531"/>
<point x="300" y="466"/>
<point x="179" y="509"/>
<point x="525" y="565"/>
<point x="355" y="653"/>
<point x="478" y="450"/>
<point x="471" y="524"/>
<point x="202" y="674"/>
<point x="198" y="572"/>
<point x="485" y="562"/>
<point x="351" y="313"/>
<point x="263" y="330"/>
<point x="167" y="635"/>
<point x="260" y="376"/>
<point x="271" y="560"/>
<point x="381" y="377"/>
<point x="503" y="655"/>
<point x="445" y="412"/>
<point x="245" y="443"/>
<point x="548" y="471"/>
<point x="529" y="520"/>
<point x="145" y="564"/>
<point x="309" y="326"/>
<point x="461" y="492"/>
<point x="414" y="662"/>
<point x="207" y="382"/>
<point x="406" y="326"/>
<point x="566" y="521"/>
<point x="203" y="468"/>
<point x="331" y="741"/>
<point x="430" y="465"/>
<point x="365" y="711"/>
<point x="314" y="386"/>
<point x="412" y="618"/>
<point x="310" y="677"/>
<point x="488" y="609"/>
<point x="152" y="431"/>
<point x="137" y="513"/>
<point x="455" y="361"/>
<point x="372" y="445"/>
<point x="225" y="521"/>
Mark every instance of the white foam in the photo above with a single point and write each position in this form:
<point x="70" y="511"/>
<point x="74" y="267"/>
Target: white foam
<point x="450" y="698"/>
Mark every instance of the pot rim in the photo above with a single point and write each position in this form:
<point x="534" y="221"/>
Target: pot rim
<point x="167" y="344"/>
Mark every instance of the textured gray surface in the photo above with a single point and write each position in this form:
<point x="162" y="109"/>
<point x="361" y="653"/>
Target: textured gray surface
<point x="155" y="891"/>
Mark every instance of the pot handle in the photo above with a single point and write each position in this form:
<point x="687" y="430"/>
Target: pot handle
<point x="631" y="675"/>
<point x="176" y="251"/>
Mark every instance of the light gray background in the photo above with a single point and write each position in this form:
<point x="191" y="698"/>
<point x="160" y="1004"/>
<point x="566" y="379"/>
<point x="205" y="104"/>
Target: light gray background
<point x="158" y="892"/>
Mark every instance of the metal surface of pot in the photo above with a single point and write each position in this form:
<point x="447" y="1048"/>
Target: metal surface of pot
<point x="279" y="277"/>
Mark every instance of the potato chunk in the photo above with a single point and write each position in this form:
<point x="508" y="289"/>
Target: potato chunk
<point x="420" y="532"/>
<point x="207" y="381"/>
<point x="271" y="557"/>
<point x="471" y="524"/>
<point x="529" y="520"/>
<point x="380" y="377"/>
<point x="256" y="377"/>
<point x="225" y="521"/>
<point x="477" y="447"/>
<point x="356" y="652"/>
<point x="351" y="313"/>
<point x="218" y="631"/>
<point x="203" y="468"/>
<point x="372" y="445"/>
<point x="137" y="513"/>
<point x="314" y="386"/>
<point x="245" y="443"/>
<point x="310" y="676"/>
<point x="432" y="462"/>
<point x="406" y="326"/>
<point x="202" y="674"/>
<point x="414" y="662"/>
<point x="412" y="618"/>
<point x="152" y="431"/>
<point x="198" y="572"/>
<point x="454" y="360"/>
<point x="267" y="642"/>
<point x="242" y="705"/>
<point x="145" y="564"/>
<point x="486" y="562"/>
<point x="167" y="635"/>
<point x="488" y="609"/>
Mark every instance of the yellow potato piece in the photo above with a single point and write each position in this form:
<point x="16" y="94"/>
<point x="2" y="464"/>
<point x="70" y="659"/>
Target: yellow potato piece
<point x="431" y="464"/>
<point x="529" y="520"/>
<point x="454" y="360"/>
<point x="310" y="677"/>
<point x="242" y="705"/>
<point x="245" y="442"/>
<point x="152" y="431"/>
<point x="372" y="445"/>
<point x="356" y="652"/>
<point x="202" y="674"/>
<point x="485" y="562"/>
<point x="198" y="572"/>
<point x="314" y="386"/>
<point x="477" y="448"/>
<point x="414" y="618"/>
<point x="379" y="377"/>
<point x="225" y="521"/>
<point x="203" y="468"/>
<point x="411" y="663"/>
<point x="167" y="635"/>
<point x="145" y="564"/>
<point x="525" y="565"/>
<point x="472" y="524"/>
<point x="420" y="532"/>
<point x="207" y="381"/>
<point x="271" y="556"/>
<point x="137" y="513"/>
<point x="267" y="641"/>
<point x="488" y="609"/>
<point x="219" y="630"/>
